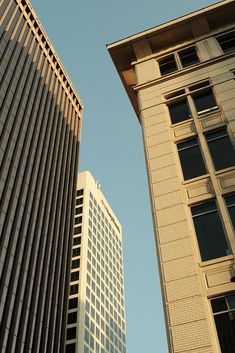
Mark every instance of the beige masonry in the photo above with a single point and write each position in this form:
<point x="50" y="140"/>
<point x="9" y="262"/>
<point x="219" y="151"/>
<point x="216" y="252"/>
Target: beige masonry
<point x="188" y="284"/>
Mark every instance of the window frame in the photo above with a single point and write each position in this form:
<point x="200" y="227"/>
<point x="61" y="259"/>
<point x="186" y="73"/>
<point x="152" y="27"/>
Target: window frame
<point x="185" y="50"/>
<point x="163" y="61"/>
<point x="187" y="93"/>
<point x="200" y="92"/>
<point x="214" y="155"/>
<point x="178" y="60"/>
<point x="192" y="146"/>
<point x="219" y="312"/>
<point x="228" y="207"/>
<point x="177" y="102"/>
<point x="224" y="35"/>
<point x="225" y="233"/>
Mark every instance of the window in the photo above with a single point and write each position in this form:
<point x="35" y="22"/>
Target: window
<point x="221" y="149"/>
<point x="188" y="57"/>
<point x="97" y="347"/>
<point x="87" y="321"/>
<point x="191" y="160"/>
<point x="80" y="192"/>
<point x="77" y="230"/>
<point x="86" y="349"/>
<point x="78" y="220"/>
<point x="72" y="318"/>
<point x="78" y="210"/>
<point x="92" y="343"/>
<point x="76" y="252"/>
<point x="74" y="276"/>
<point x="73" y="303"/>
<point x="227" y="42"/>
<point x="70" y="348"/>
<point x="179" y="111"/>
<point x="73" y="289"/>
<point x="79" y="201"/>
<point x="180" y="106"/>
<point x="77" y="241"/>
<point x="230" y="203"/>
<point x="71" y="333"/>
<point x="86" y="336"/>
<point x="75" y="263"/>
<point x="223" y="309"/>
<point x="167" y="65"/>
<point x="205" y="101"/>
<point x="210" y="234"/>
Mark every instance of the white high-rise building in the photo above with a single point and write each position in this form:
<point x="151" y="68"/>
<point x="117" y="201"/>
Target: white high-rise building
<point x="96" y="313"/>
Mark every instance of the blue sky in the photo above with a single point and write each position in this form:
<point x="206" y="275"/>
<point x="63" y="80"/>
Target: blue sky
<point x="111" y="145"/>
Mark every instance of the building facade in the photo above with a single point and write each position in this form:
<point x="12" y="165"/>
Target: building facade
<point x="40" y="132"/>
<point x="96" y="313"/>
<point x="180" y="78"/>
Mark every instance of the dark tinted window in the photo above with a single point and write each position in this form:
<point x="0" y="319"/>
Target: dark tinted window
<point x="76" y="252"/>
<point x="72" y="318"/>
<point x="78" y="220"/>
<point x="205" y="101"/>
<point x="199" y="85"/>
<point x="209" y="230"/>
<point x="71" y="333"/>
<point x="167" y="65"/>
<point x="80" y="192"/>
<point x="221" y="149"/>
<point x="75" y="263"/>
<point x="73" y="303"/>
<point x="188" y="57"/>
<point x="191" y="159"/>
<point x="227" y="42"/>
<point x="70" y="348"/>
<point x="179" y="111"/>
<point x="74" y="289"/>
<point x="230" y="203"/>
<point x="224" y="315"/>
<point x="78" y="210"/>
<point x="79" y="201"/>
<point x="77" y="230"/>
<point x="86" y="336"/>
<point x="77" y="241"/>
<point x="74" y="276"/>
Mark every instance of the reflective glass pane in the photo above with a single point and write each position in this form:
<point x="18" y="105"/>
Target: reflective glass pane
<point x="231" y="302"/>
<point x="225" y="325"/>
<point x="219" y="304"/>
<point x="70" y="348"/>
<point x="179" y="111"/>
<point x="188" y="57"/>
<point x="211" y="237"/>
<point x="230" y="202"/>
<point x="167" y="65"/>
<point x="204" y="101"/>
<point x="191" y="159"/>
<point x="221" y="149"/>
<point x="71" y="333"/>
<point x="227" y="42"/>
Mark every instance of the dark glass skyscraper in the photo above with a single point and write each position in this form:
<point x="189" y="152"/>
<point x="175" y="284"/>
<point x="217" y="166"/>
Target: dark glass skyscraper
<point x="39" y="146"/>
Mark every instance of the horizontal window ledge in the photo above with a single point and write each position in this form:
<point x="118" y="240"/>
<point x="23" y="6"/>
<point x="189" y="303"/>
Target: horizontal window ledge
<point x="182" y="123"/>
<point x="216" y="261"/>
<point x="223" y="171"/>
<point x="183" y="71"/>
<point x="193" y="180"/>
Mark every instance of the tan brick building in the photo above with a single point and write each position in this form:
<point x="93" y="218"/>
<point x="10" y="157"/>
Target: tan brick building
<point x="180" y="78"/>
